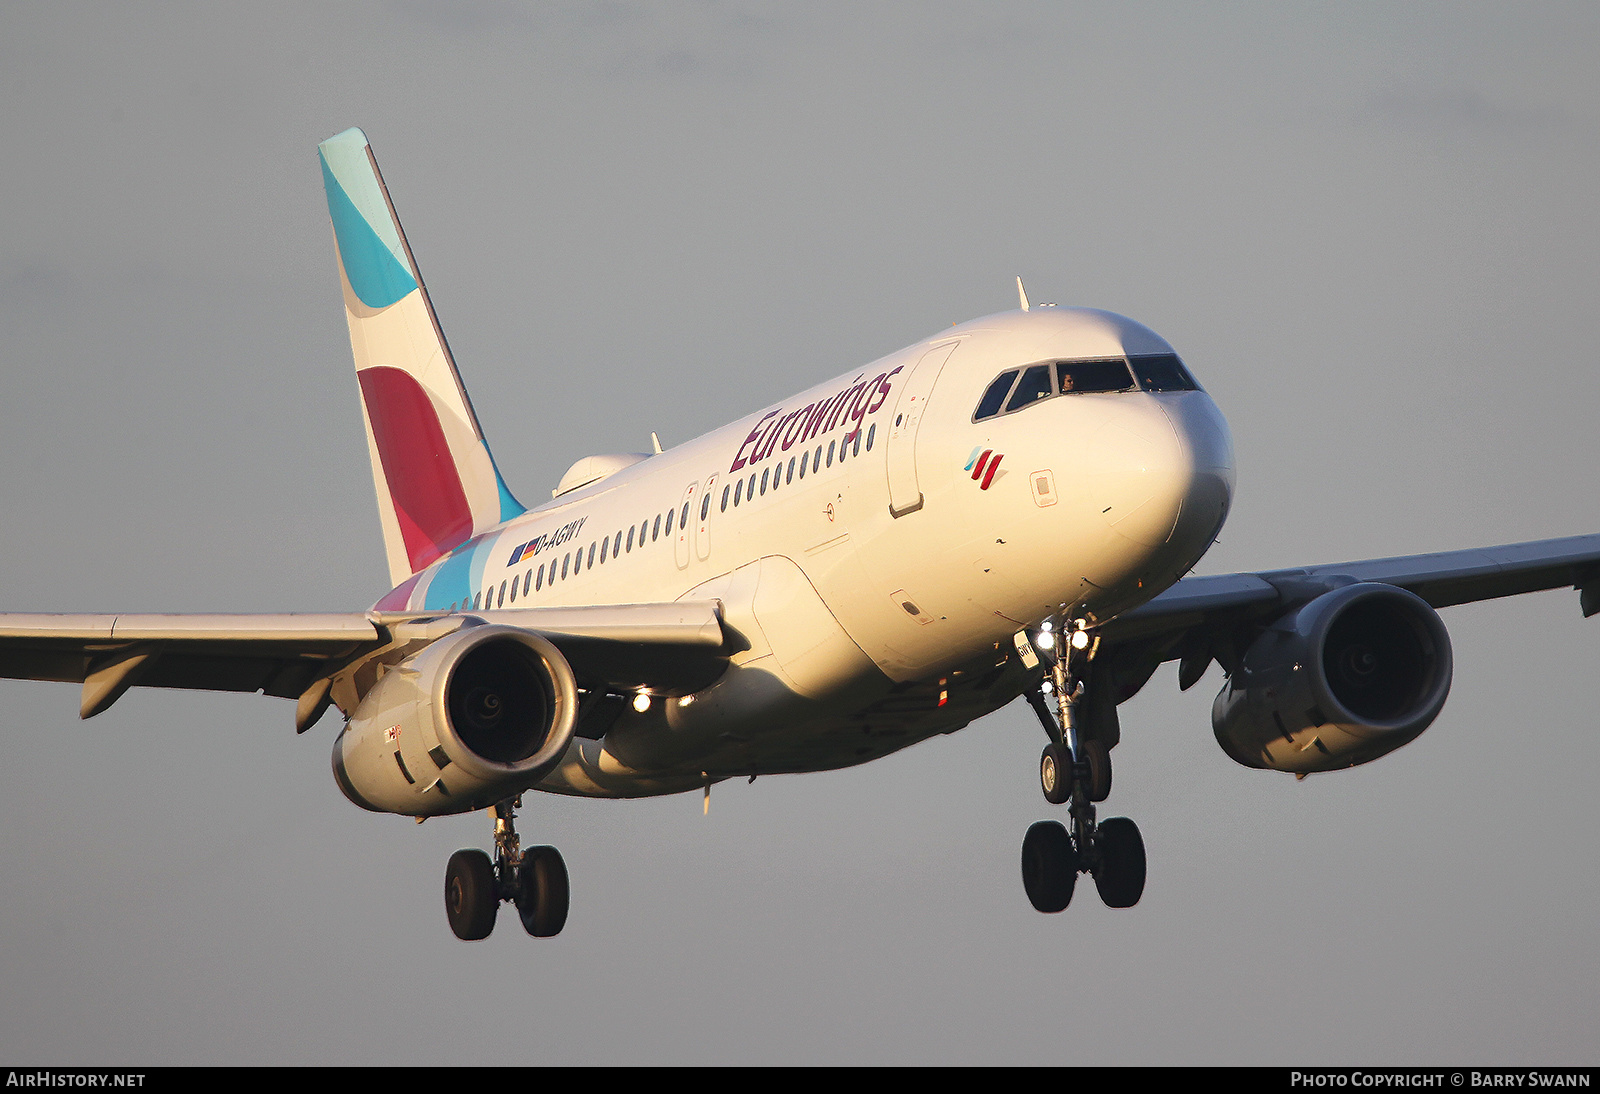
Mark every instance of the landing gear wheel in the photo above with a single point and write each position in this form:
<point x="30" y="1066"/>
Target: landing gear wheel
<point x="1049" y="866"/>
<point x="470" y="899"/>
<point x="1055" y="774"/>
<point x="1098" y="757"/>
<point x="542" y="891"/>
<point x="1120" y="873"/>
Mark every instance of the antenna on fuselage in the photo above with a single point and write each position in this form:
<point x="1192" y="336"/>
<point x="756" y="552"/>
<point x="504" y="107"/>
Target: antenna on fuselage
<point x="655" y="442"/>
<point x="1022" y="294"/>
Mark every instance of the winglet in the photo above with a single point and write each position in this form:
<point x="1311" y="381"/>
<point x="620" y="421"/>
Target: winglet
<point x="1022" y="294"/>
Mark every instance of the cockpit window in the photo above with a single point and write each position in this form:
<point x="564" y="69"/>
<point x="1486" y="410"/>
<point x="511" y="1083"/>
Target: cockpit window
<point x="1083" y="377"/>
<point x="1034" y="385"/>
<point x="995" y="396"/>
<point x="1163" y="372"/>
<point x="1153" y="372"/>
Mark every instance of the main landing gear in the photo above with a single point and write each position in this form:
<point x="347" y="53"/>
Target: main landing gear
<point x="1075" y="770"/>
<point x="534" y="880"/>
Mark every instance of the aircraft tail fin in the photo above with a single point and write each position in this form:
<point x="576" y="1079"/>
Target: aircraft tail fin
<point x="437" y="483"/>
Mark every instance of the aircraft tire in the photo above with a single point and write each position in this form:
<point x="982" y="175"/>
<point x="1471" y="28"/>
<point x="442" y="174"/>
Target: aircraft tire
<point x="543" y="892"/>
<point x="1120" y="875"/>
<point x="1055" y="775"/>
<point x="1049" y="866"/>
<point x="470" y="900"/>
<point x="1098" y="757"/>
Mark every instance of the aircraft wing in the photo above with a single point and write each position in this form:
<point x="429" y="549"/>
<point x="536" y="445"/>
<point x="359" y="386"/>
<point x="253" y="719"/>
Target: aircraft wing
<point x="1192" y="619"/>
<point x="677" y="645"/>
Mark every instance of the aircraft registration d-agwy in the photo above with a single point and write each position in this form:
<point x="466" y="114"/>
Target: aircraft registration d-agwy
<point x="1007" y="508"/>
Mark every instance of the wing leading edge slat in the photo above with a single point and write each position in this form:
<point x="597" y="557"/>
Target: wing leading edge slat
<point x="1442" y="579"/>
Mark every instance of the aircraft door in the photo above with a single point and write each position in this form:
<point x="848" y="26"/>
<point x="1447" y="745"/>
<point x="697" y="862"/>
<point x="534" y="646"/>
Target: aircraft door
<point x="905" y="496"/>
<point x="680" y="538"/>
<point x="702" y="532"/>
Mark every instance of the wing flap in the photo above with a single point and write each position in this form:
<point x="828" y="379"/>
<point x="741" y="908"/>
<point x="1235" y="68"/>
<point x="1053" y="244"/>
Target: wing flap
<point x="279" y="654"/>
<point x="680" y="622"/>
<point x="668" y="648"/>
<point x="671" y="649"/>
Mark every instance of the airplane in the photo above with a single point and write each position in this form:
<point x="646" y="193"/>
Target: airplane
<point x="1011" y="507"/>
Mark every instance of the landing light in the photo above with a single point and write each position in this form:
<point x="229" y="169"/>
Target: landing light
<point x="1080" y="640"/>
<point x="1047" y="641"/>
<point x="641" y="702"/>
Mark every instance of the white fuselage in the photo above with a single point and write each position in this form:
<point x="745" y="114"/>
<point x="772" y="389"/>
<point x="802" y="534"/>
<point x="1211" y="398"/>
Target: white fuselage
<point x="868" y="586"/>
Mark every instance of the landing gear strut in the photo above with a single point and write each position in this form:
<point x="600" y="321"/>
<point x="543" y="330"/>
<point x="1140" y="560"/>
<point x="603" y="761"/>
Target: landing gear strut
<point x="1076" y="771"/>
<point x="534" y="880"/>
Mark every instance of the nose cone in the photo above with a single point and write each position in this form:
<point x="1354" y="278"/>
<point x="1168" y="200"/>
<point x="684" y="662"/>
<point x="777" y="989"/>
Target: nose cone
<point x="1162" y="471"/>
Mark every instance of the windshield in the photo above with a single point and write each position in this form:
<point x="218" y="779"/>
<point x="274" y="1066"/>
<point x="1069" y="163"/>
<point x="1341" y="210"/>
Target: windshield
<point x="1152" y="372"/>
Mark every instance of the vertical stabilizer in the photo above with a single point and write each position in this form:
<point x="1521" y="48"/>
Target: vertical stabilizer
<point x="437" y="483"/>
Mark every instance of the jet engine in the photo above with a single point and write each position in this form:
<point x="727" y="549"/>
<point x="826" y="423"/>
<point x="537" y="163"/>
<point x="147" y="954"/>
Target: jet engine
<point x="1339" y="681"/>
<point x="475" y="717"/>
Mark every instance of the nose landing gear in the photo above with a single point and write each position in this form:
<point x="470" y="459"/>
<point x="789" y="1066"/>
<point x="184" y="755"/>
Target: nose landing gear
<point x="534" y="880"/>
<point x="1076" y="771"/>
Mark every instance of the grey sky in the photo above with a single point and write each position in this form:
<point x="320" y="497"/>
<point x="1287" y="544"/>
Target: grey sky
<point x="1370" y="230"/>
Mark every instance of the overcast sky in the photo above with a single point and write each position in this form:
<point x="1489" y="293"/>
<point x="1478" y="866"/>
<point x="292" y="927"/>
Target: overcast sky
<point x="1370" y="230"/>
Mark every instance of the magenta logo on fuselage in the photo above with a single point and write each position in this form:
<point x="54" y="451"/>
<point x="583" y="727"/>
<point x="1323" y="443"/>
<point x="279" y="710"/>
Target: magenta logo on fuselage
<point x="780" y="431"/>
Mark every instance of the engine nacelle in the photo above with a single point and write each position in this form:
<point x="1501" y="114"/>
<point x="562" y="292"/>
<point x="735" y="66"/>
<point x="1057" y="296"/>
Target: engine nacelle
<point x="477" y="716"/>
<point x="1342" y="680"/>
